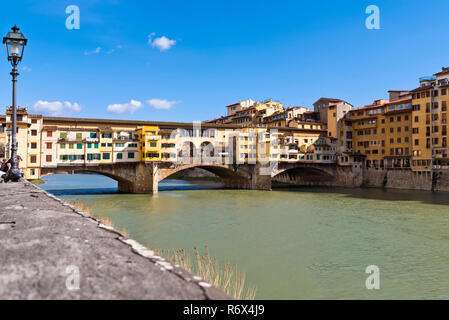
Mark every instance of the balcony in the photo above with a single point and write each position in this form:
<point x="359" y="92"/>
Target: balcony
<point x="427" y="78"/>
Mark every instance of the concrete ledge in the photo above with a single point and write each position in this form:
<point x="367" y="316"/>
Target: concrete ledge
<point x="44" y="241"/>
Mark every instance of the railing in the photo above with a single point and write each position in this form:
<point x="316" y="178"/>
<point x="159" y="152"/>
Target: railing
<point x="427" y="78"/>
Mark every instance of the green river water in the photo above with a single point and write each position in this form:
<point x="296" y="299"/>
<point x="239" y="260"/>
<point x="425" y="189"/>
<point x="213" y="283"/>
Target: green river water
<point x="306" y="243"/>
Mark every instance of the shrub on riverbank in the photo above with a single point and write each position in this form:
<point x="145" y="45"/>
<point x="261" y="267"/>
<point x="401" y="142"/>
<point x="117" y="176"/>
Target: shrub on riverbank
<point x="104" y="220"/>
<point x="220" y="274"/>
<point x="37" y="181"/>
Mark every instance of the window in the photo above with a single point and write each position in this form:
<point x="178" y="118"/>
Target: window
<point x="33" y="121"/>
<point x="33" y="159"/>
<point x="153" y="144"/>
<point x="49" y="145"/>
<point x="91" y="156"/>
<point x="79" y="136"/>
<point x="106" y="156"/>
<point x="63" y="135"/>
<point x="89" y="145"/>
<point x="70" y="145"/>
<point x="34" y="132"/>
<point x="96" y="146"/>
<point x="33" y="145"/>
<point x="93" y="135"/>
<point x="416" y="142"/>
<point x="119" y="156"/>
<point x="48" y="158"/>
<point x="79" y="146"/>
<point x="62" y="146"/>
<point x="49" y="134"/>
<point x="130" y="155"/>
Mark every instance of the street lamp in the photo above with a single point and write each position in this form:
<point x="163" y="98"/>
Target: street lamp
<point x="15" y="43"/>
<point x="8" y="145"/>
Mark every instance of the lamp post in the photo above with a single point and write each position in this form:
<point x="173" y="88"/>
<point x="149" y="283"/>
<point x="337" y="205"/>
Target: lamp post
<point x="8" y="145"/>
<point x="15" y="43"/>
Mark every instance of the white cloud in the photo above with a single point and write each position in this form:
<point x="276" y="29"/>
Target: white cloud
<point x="129" y="108"/>
<point x="88" y="53"/>
<point x="118" y="47"/>
<point x="56" y="108"/>
<point x="162" y="104"/>
<point x="163" y="43"/>
<point x="26" y="69"/>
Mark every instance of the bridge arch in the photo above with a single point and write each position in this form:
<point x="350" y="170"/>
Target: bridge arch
<point x="83" y="170"/>
<point x="222" y="171"/>
<point x="304" y="174"/>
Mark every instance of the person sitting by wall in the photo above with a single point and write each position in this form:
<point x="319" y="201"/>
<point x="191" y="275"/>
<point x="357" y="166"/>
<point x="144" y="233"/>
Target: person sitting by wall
<point x="9" y="175"/>
<point x="3" y="168"/>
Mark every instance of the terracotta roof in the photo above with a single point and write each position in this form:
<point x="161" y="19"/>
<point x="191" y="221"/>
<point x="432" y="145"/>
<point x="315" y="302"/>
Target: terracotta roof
<point x="443" y="71"/>
<point x="399" y="100"/>
<point x="329" y="99"/>
<point x="421" y="88"/>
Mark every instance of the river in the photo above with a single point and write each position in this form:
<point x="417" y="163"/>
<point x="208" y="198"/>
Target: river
<point x="305" y="243"/>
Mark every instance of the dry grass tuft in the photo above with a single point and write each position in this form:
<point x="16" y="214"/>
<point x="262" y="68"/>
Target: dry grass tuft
<point x="104" y="220"/>
<point x="218" y="273"/>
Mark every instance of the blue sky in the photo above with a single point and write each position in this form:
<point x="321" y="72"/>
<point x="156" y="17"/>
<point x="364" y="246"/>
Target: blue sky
<point x="204" y="55"/>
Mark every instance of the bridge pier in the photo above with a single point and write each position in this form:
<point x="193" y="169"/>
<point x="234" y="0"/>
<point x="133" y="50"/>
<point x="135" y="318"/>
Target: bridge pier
<point x="143" y="180"/>
<point x="250" y="177"/>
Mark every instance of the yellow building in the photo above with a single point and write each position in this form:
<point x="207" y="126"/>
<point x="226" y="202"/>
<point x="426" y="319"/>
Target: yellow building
<point x="398" y="133"/>
<point x="430" y="101"/>
<point x="367" y="126"/>
<point x="330" y="111"/>
<point x="150" y="143"/>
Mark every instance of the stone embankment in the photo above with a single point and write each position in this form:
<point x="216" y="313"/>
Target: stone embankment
<point x="50" y="250"/>
<point x="355" y="177"/>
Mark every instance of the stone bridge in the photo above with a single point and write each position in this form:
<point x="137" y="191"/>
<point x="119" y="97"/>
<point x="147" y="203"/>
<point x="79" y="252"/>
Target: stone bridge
<point x="145" y="177"/>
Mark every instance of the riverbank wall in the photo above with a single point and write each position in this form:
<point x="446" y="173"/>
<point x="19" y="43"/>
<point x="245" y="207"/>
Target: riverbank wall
<point x="354" y="177"/>
<point x="51" y="250"/>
